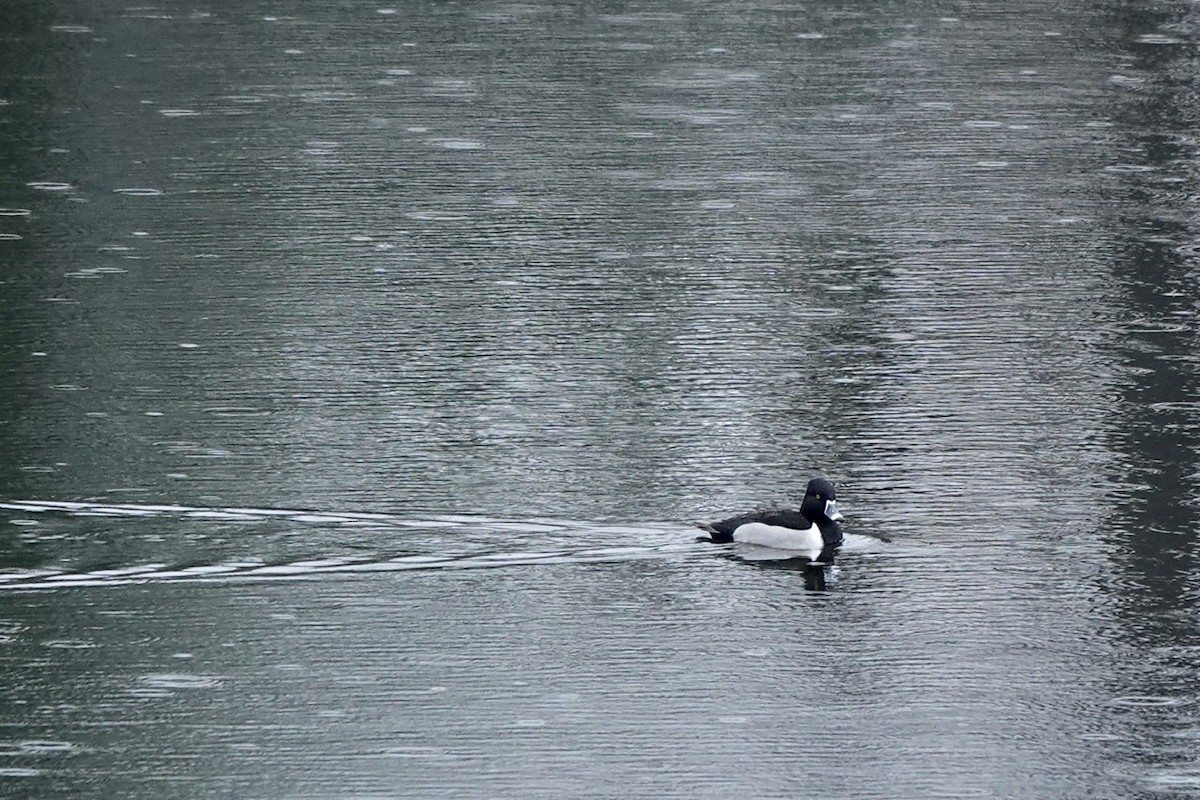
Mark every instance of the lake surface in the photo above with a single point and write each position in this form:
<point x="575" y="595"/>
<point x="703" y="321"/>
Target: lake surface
<point x="363" y="367"/>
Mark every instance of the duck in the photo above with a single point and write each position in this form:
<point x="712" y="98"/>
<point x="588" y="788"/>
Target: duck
<point x="814" y="531"/>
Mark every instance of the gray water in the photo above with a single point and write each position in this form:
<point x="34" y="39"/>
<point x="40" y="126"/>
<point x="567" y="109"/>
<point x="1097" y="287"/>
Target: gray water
<point x="363" y="367"/>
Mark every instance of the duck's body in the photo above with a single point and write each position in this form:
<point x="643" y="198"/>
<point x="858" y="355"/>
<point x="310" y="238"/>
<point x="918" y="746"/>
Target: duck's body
<point x="814" y="531"/>
<point x="804" y="541"/>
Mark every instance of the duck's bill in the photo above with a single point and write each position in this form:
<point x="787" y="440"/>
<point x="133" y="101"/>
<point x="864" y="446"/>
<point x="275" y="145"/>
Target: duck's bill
<point x="831" y="511"/>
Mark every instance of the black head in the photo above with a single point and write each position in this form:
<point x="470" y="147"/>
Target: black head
<point x="820" y="506"/>
<point x="820" y="501"/>
<point x="821" y="488"/>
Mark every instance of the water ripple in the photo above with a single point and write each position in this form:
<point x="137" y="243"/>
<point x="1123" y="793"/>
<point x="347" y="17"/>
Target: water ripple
<point x="1148" y="701"/>
<point x="176" y="680"/>
<point x="139" y="192"/>
<point x="479" y="543"/>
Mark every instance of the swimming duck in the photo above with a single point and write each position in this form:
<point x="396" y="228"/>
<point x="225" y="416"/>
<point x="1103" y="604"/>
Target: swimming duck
<point x="814" y="531"/>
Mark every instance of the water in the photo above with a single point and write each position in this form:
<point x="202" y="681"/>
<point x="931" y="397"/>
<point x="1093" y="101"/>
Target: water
<point x="363" y="368"/>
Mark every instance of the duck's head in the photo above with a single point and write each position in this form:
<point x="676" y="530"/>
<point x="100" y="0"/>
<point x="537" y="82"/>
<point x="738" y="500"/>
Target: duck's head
<point x="820" y="506"/>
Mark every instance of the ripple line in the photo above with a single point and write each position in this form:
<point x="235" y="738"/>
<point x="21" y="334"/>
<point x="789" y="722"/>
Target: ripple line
<point x="669" y="540"/>
<point x="308" y="568"/>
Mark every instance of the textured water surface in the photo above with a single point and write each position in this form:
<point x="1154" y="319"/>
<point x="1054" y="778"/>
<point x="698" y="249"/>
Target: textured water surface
<point x="363" y="369"/>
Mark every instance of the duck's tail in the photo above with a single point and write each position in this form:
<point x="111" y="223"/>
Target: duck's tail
<point x="714" y="535"/>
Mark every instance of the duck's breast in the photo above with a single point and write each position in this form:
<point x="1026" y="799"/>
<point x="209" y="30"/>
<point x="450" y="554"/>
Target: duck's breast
<point x="779" y="538"/>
